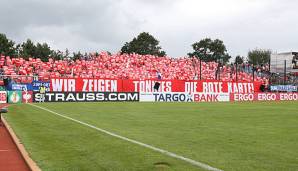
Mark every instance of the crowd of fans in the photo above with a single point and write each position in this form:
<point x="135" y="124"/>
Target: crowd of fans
<point x="128" y="66"/>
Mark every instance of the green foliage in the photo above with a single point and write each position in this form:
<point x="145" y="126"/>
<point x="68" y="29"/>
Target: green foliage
<point x="43" y="51"/>
<point x="239" y="60"/>
<point x="7" y="46"/>
<point x="28" y="49"/>
<point x="77" y="55"/>
<point x="144" y="44"/>
<point x="210" y="50"/>
<point x="259" y="56"/>
<point x="57" y="55"/>
<point x="109" y="53"/>
<point x="66" y="53"/>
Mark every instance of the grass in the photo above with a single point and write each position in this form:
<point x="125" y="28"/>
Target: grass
<point x="229" y="136"/>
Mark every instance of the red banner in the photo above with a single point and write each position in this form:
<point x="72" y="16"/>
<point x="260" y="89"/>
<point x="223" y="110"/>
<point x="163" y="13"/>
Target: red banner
<point x="110" y="85"/>
<point x="85" y="85"/>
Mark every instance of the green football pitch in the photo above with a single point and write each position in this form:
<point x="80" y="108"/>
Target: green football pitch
<point x="105" y="136"/>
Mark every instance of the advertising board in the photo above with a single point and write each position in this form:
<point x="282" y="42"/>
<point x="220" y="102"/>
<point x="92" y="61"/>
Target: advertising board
<point x="211" y="97"/>
<point x="27" y="96"/>
<point x="166" y="97"/>
<point x="14" y="96"/>
<point x="3" y="97"/>
<point x="184" y="97"/>
<point x="37" y="84"/>
<point x="86" y="97"/>
<point x="265" y="97"/>
<point x="20" y="87"/>
<point x="285" y="88"/>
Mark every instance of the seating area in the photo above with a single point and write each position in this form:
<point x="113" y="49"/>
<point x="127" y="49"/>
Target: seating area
<point x="121" y="66"/>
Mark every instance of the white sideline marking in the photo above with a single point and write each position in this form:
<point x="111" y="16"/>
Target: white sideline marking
<point x="4" y="150"/>
<point x="188" y="160"/>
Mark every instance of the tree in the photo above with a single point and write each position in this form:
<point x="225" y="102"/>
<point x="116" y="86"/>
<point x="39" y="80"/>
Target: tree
<point x="57" y="55"/>
<point x="7" y="46"/>
<point x="144" y="44"/>
<point x="239" y="60"/>
<point x="109" y="53"/>
<point x="259" y="56"/>
<point x="43" y="51"/>
<point x="66" y="56"/>
<point x="210" y="50"/>
<point x="27" y="49"/>
<point x="77" y="55"/>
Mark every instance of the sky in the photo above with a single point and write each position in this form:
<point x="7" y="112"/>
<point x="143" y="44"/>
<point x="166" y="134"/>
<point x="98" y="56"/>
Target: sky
<point x="105" y="25"/>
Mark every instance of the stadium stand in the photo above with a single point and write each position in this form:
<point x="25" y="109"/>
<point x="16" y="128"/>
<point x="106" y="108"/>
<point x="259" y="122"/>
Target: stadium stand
<point x="124" y="66"/>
